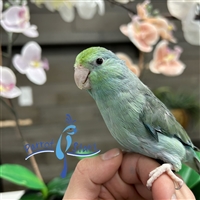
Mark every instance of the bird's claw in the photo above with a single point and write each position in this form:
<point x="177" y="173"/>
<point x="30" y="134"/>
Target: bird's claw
<point x="159" y="171"/>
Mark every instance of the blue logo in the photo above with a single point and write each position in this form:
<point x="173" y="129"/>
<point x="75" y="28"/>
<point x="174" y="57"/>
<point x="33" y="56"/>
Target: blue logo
<point x="68" y="132"/>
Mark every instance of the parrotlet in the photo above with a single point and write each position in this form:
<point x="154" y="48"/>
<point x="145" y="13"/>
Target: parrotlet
<point x="139" y="121"/>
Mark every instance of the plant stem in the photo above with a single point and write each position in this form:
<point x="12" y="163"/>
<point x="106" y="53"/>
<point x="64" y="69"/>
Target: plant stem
<point x="141" y="65"/>
<point x="121" y="5"/>
<point x="141" y="61"/>
<point x="9" y="47"/>
<point x="34" y="164"/>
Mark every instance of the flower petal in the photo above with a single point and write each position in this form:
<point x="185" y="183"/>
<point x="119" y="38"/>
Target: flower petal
<point x="36" y="75"/>
<point x="141" y="9"/>
<point x="31" y="51"/>
<point x="129" y="63"/>
<point x="122" y="1"/>
<point x="67" y="13"/>
<point x="173" y="68"/>
<point x="20" y="63"/>
<point x="160" y="51"/>
<point x="149" y="32"/>
<point x="154" y="67"/>
<point x="191" y="27"/>
<point x="86" y="10"/>
<point x="145" y="38"/>
<point x="101" y="5"/>
<point x="7" y="76"/>
<point x="179" y="9"/>
<point x="31" y="31"/>
<point x="45" y="64"/>
<point x="124" y="30"/>
<point x="15" y="92"/>
<point x="49" y="6"/>
<point x="14" y="14"/>
<point x="14" y="29"/>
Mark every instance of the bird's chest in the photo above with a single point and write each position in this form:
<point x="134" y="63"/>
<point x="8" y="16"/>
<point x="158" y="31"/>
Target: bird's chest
<point x="122" y="117"/>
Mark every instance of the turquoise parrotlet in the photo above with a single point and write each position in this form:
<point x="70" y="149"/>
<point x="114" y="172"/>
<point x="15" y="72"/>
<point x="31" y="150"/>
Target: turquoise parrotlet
<point x="139" y="121"/>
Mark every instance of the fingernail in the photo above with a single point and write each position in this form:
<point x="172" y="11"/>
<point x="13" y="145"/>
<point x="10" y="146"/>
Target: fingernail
<point x="110" y="154"/>
<point x="173" y="197"/>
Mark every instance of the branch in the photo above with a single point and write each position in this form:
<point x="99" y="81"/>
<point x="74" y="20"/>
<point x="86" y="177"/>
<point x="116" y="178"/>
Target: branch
<point x="121" y="5"/>
<point x="34" y="164"/>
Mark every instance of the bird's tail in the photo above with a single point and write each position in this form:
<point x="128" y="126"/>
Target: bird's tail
<point x="192" y="159"/>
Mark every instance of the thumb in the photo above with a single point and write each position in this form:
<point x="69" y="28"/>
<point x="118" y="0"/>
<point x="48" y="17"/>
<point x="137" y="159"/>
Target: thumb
<point x="91" y="173"/>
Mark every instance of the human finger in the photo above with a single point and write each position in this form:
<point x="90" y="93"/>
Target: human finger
<point x="135" y="169"/>
<point x="91" y="173"/>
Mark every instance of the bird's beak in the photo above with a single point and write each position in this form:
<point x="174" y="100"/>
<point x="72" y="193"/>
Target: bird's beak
<point x="81" y="77"/>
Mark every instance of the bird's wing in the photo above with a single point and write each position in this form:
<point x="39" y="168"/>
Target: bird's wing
<point x="157" y="119"/>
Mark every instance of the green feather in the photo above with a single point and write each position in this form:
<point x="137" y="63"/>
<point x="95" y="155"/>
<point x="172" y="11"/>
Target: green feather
<point x="134" y="116"/>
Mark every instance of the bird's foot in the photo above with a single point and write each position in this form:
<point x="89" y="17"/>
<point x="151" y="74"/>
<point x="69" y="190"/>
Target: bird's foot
<point x="159" y="171"/>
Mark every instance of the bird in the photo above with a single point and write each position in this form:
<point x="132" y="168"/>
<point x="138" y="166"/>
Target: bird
<point x="135" y="117"/>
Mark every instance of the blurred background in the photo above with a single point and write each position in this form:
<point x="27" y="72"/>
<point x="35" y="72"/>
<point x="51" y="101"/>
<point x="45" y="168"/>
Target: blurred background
<point x="61" y="42"/>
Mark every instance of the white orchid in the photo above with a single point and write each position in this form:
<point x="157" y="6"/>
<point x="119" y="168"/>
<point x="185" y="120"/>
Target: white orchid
<point x="86" y="9"/>
<point x="16" y="19"/>
<point x="8" y="87"/>
<point x="124" y="1"/>
<point x="184" y="10"/>
<point x="31" y="64"/>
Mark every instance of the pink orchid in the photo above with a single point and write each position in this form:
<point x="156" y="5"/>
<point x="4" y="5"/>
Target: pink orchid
<point x="16" y="19"/>
<point x="142" y="34"/>
<point x="166" y="61"/>
<point x="163" y="27"/>
<point x="7" y="83"/>
<point x="30" y="63"/>
<point x="142" y="10"/>
<point x="129" y="63"/>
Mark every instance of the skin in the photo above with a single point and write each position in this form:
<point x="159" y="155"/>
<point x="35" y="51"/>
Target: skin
<point x="118" y="175"/>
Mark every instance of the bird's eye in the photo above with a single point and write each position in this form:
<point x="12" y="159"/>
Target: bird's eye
<point x="99" y="61"/>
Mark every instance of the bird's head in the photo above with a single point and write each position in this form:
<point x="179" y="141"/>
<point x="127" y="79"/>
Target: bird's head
<point x="94" y="65"/>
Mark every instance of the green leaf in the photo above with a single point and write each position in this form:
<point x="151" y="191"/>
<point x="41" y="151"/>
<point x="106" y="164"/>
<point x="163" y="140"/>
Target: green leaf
<point x="32" y="195"/>
<point x="59" y="185"/>
<point x="190" y="177"/>
<point x="21" y="176"/>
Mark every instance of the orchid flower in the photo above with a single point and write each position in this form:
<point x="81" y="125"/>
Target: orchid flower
<point x="16" y="19"/>
<point x="144" y="35"/>
<point x="129" y="63"/>
<point x="65" y="8"/>
<point x="30" y="63"/>
<point x="7" y="83"/>
<point x="86" y="9"/>
<point x="162" y="25"/>
<point x="185" y="11"/>
<point x="123" y="1"/>
<point x="142" y="9"/>
<point x="166" y="61"/>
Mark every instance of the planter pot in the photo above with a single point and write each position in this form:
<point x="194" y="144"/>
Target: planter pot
<point x="11" y="195"/>
<point x="181" y="116"/>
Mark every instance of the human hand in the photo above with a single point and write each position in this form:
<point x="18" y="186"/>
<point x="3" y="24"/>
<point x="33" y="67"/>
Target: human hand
<point x="114" y="175"/>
